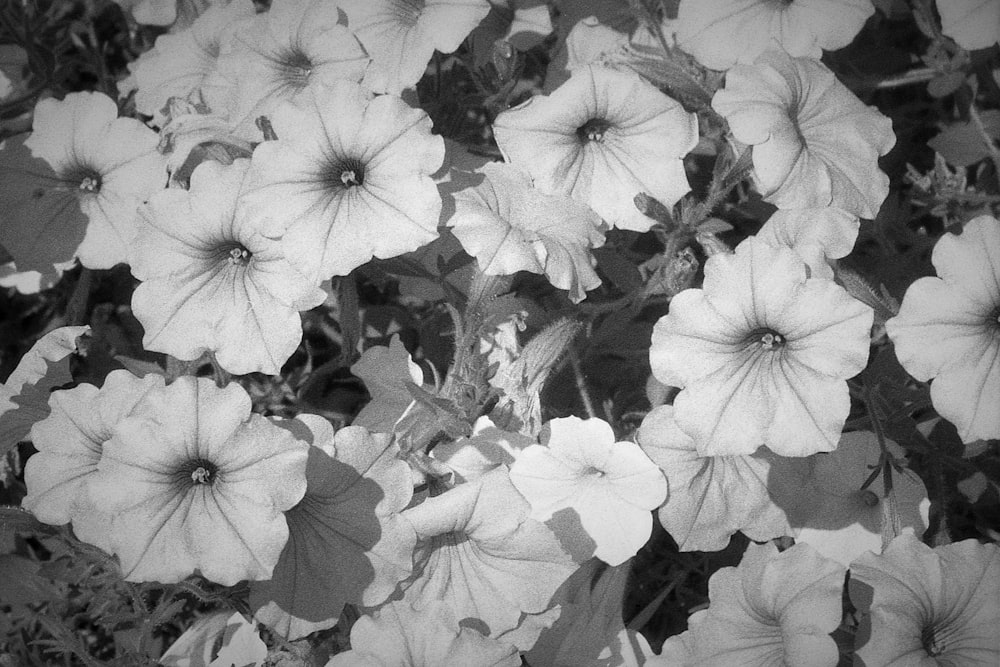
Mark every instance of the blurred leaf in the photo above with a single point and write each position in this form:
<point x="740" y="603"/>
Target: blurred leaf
<point x="961" y="143"/>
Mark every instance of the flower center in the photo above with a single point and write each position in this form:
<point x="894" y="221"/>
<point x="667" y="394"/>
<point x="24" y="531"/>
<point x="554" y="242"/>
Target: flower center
<point x="294" y="67"/>
<point x="345" y="173"/>
<point x="198" y="472"/>
<point x="87" y="179"/>
<point x="930" y="642"/>
<point x="90" y="184"/>
<point x="239" y="256"/>
<point x="767" y="339"/>
<point x="593" y="130"/>
<point x="591" y="471"/>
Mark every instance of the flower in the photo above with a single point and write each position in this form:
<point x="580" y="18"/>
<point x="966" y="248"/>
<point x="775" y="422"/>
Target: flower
<point x="197" y="483"/>
<point x="347" y="541"/>
<point x="817" y="235"/>
<point x="774" y="609"/>
<point x="13" y="60"/>
<point x="509" y="226"/>
<point x="814" y="143"/>
<point x="483" y="556"/>
<point x="280" y="54"/>
<point x="602" y="138"/>
<point x="385" y="372"/>
<point x="32" y="282"/>
<point x="974" y="24"/>
<point x="348" y="179"/>
<point x="488" y="447"/>
<point x="712" y="497"/>
<point x="77" y="191"/>
<point x="611" y="486"/>
<point x="840" y="519"/>
<point x="181" y="62"/>
<point x="24" y="397"/>
<point x="212" y="281"/>
<point x="948" y="329"/>
<point x="397" y="635"/>
<point x="722" y="33"/>
<point x="402" y="35"/>
<point x="928" y="606"/>
<point x="69" y="443"/>
<point x="762" y="353"/>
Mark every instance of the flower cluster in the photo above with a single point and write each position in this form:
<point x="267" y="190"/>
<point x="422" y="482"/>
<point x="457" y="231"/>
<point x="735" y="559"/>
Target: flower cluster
<point x="373" y="289"/>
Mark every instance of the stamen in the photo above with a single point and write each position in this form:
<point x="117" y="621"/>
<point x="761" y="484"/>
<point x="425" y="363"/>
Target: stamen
<point x="201" y="475"/>
<point x="239" y="256"/>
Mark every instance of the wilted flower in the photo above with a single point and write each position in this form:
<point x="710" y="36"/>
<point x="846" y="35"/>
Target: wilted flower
<point x="774" y="609"/>
<point x="814" y="143"/>
<point x="711" y="497"/>
<point x="722" y="33"/>
<point x="611" y="486"/>
<point x="78" y="190"/>
<point x="69" y="443"/>
<point x="180" y="62"/>
<point x="817" y="235"/>
<point x="762" y="353"/>
<point x="928" y="606"/>
<point x="277" y="56"/>
<point x="197" y="483"/>
<point x="347" y="179"/>
<point x="397" y="635"/>
<point x="602" y="138"/>
<point x="948" y="329"/>
<point x="509" y="226"/>
<point x="402" y="35"/>
<point x="213" y="281"/>
<point x="974" y="24"/>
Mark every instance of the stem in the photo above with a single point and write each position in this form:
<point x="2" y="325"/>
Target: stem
<point x="581" y="382"/>
<point x="76" y="307"/>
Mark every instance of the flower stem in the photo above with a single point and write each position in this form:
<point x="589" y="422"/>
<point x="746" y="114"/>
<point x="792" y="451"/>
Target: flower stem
<point x="991" y="146"/>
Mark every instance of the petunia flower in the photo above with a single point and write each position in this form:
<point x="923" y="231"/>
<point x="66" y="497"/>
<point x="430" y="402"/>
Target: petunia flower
<point x="385" y="372"/>
<point x="762" y="354"/>
<point x="13" y="61"/>
<point x="722" y="33"/>
<point x="774" y="609"/>
<point x="220" y="639"/>
<point x="347" y="541"/>
<point x="180" y="63"/>
<point x="397" y="635"/>
<point x="212" y="281"/>
<point x="602" y="138"/>
<point x="711" y="497"/>
<point x="347" y="179"/>
<point x="948" y="329"/>
<point x="277" y="56"/>
<point x="24" y="397"/>
<point x="401" y="35"/>
<point x="32" y="282"/>
<point x="926" y="606"/>
<point x="197" y="483"/>
<point x="840" y="519"/>
<point x="76" y="188"/>
<point x="586" y="29"/>
<point x="817" y="235"/>
<point x="814" y="143"/>
<point x="485" y="558"/>
<point x="509" y="226"/>
<point x="69" y="443"/>
<point x="973" y="24"/>
<point x="487" y="448"/>
<point x="610" y="486"/>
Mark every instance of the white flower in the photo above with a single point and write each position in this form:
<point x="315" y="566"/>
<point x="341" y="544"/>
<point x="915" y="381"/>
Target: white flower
<point x="817" y="235"/>
<point x="212" y="281"/>
<point x="610" y="486"/>
<point x="602" y="138"/>
<point x="347" y="179"/>
<point x="402" y="35"/>
<point x="948" y="329"/>
<point x="722" y="33"/>
<point x="814" y="143"/>
<point x="762" y="353"/>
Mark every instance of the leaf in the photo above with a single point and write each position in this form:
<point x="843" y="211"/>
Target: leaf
<point x="238" y="644"/>
<point x="24" y="398"/>
<point x="945" y="84"/>
<point x="21" y="584"/>
<point x="962" y="145"/>
<point x="347" y="542"/>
